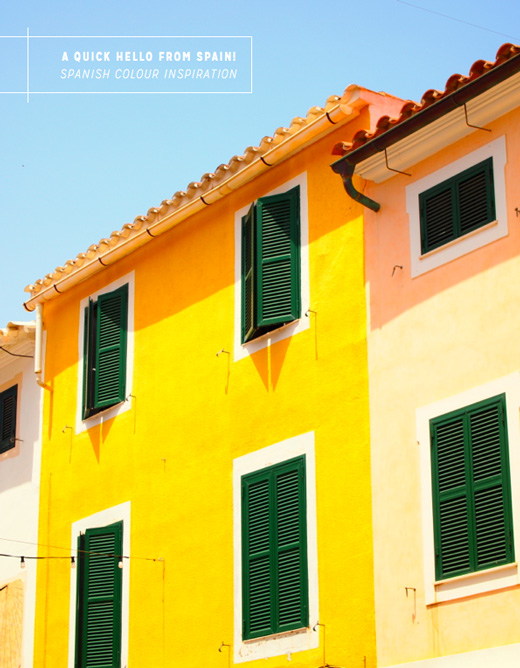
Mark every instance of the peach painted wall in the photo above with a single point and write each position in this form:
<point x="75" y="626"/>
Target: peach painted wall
<point x="448" y="335"/>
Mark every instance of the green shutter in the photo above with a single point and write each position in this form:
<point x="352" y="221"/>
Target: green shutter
<point x="248" y="295"/>
<point x="271" y="264"/>
<point x="278" y="258"/>
<point x="112" y="318"/>
<point x="274" y="548"/>
<point x="99" y="598"/>
<point x="471" y="489"/>
<point x="8" y="400"/>
<point x="457" y="206"/>
<point x="105" y="350"/>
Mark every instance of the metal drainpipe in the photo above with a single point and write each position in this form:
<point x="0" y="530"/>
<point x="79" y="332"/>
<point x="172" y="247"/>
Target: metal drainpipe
<point x="346" y="170"/>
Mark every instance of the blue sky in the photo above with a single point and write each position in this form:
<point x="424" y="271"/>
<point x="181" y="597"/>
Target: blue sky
<point x="74" y="168"/>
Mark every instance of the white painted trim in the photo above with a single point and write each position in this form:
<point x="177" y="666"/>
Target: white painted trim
<point x="296" y="641"/>
<point x="99" y="418"/>
<point x="494" y="578"/>
<point x="242" y="350"/>
<point x="103" y="518"/>
<point x="476" y="239"/>
<point x="506" y="656"/>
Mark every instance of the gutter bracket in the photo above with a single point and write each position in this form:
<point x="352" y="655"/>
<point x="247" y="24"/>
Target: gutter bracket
<point x="477" y="127"/>
<point x="391" y="169"/>
<point x="346" y="170"/>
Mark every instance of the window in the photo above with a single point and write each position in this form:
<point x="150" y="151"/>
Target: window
<point x="105" y="349"/>
<point x="472" y="510"/>
<point x="271" y="264"/>
<point x="8" y="418"/>
<point x="99" y="602"/>
<point x="274" y="550"/>
<point x="457" y="206"/>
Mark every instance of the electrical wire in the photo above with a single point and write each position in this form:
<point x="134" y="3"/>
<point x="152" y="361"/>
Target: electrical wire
<point x="15" y="354"/>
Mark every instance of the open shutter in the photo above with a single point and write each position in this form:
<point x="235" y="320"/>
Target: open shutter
<point x="277" y="260"/>
<point x="111" y="335"/>
<point x="89" y="334"/>
<point x="274" y="549"/>
<point x="471" y="489"/>
<point x="99" y="618"/>
<point x="8" y="401"/>
<point x="248" y="291"/>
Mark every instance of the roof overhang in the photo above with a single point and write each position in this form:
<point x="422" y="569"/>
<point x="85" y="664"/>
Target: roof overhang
<point x="431" y="129"/>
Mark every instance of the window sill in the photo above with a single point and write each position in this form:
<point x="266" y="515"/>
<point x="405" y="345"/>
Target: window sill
<point x="458" y="240"/>
<point x="276" y="636"/>
<point x="479" y="582"/>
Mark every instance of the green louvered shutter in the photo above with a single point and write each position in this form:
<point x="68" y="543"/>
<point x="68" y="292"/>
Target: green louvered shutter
<point x="99" y="598"/>
<point x="89" y="335"/>
<point x="277" y="260"/>
<point x="248" y="292"/>
<point x="471" y="489"/>
<point x="274" y="544"/>
<point x="291" y="546"/>
<point x="457" y="206"/>
<point x="8" y="401"/>
<point x="111" y="335"/>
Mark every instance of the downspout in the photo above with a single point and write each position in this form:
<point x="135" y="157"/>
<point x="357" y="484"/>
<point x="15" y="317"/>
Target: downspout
<point x="346" y="170"/>
<point x="38" y="348"/>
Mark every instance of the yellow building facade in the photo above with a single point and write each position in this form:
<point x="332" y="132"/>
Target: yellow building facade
<point x="205" y="455"/>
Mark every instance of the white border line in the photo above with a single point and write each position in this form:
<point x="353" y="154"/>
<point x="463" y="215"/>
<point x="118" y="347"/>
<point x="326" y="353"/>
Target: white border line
<point x="109" y="92"/>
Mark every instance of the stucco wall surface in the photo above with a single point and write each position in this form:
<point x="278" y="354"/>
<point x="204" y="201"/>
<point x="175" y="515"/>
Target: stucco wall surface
<point x="442" y="339"/>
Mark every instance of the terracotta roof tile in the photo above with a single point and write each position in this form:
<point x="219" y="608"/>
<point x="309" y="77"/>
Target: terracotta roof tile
<point x="410" y="108"/>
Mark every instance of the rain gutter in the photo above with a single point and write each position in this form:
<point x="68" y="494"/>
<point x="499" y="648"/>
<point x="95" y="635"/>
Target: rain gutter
<point x="346" y="165"/>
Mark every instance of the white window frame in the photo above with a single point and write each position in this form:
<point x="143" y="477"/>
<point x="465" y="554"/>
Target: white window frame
<point x="120" y="513"/>
<point x="292" y="641"/>
<point x="242" y="350"/>
<point x="421" y="263"/>
<point x="492" y="578"/>
<point x="108" y="413"/>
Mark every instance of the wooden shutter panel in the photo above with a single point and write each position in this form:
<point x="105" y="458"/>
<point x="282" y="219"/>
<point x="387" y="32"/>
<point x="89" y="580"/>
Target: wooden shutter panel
<point x="274" y="548"/>
<point x="8" y="400"/>
<point x="457" y="206"/>
<point x="291" y="546"/>
<point x="471" y="489"/>
<point x="257" y="566"/>
<point x="110" y="373"/>
<point x="278" y="258"/>
<point x="491" y="486"/>
<point x="248" y="291"/>
<point x="451" y="498"/>
<point x="99" y="630"/>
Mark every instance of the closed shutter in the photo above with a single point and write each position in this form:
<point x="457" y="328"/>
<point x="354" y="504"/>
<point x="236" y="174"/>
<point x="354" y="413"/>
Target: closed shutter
<point x="274" y="544"/>
<point x="112" y="317"/>
<point x="457" y="206"/>
<point x="471" y="489"/>
<point x="8" y="401"/>
<point x="99" y="598"/>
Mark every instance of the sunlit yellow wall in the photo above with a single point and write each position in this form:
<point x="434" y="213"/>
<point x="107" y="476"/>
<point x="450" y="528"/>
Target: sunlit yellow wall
<point x="193" y="413"/>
